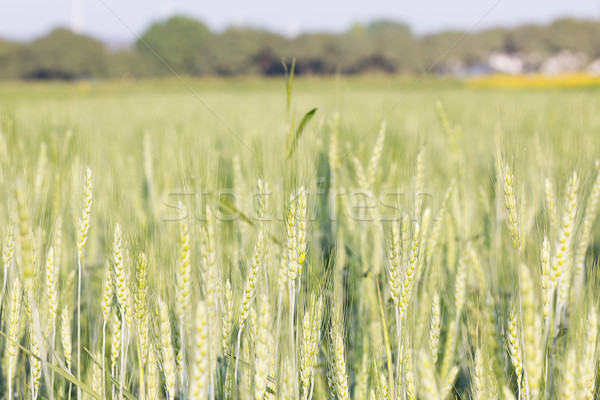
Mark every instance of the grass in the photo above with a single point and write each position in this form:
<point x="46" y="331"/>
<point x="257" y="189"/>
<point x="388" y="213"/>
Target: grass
<point x="451" y="252"/>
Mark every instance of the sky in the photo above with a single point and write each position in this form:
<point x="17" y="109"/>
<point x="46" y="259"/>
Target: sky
<point x="121" y="21"/>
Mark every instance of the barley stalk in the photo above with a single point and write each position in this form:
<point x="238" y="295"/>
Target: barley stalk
<point x="183" y="289"/>
<point x="82" y="234"/>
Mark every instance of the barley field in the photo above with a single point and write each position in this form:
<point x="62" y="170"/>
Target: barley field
<point x="341" y="238"/>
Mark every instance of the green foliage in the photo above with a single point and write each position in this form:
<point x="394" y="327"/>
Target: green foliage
<point x="188" y="47"/>
<point x="62" y="55"/>
<point x="183" y="43"/>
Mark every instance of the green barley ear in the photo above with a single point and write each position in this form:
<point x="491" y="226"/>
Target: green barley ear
<point x="376" y="156"/>
<point x="34" y="361"/>
<point x="96" y="375"/>
<point x="40" y="174"/>
<point x="551" y="204"/>
<point x="8" y="251"/>
<point x="532" y="328"/>
<point x="361" y="176"/>
<point x="362" y="375"/>
<point x="448" y="383"/>
<point x="444" y="118"/>
<point x="166" y="347"/>
<point x="262" y="347"/>
<point x="568" y="380"/>
<point x="429" y="385"/>
<point x="449" y="348"/>
<point x="311" y="335"/>
<point x="58" y="242"/>
<point x="588" y="364"/>
<point x="510" y="201"/>
<point x="395" y="261"/>
<point x="227" y="317"/>
<point x="478" y="378"/>
<point x="200" y="374"/>
<point x="65" y="335"/>
<point x="419" y="180"/>
<point x="183" y="268"/>
<point x="288" y="381"/>
<point x="584" y="240"/>
<point x="383" y="387"/>
<point x="460" y="284"/>
<point x="141" y="305"/>
<point x="414" y="263"/>
<point x="437" y="226"/>
<point x="292" y="241"/>
<point x="435" y="328"/>
<point x="334" y="137"/>
<point x="14" y="323"/>
<point x="107" y="293"/>
<point x="120" y="278"/>
<point x="514" y="344"/>
<point x="27" y="258"/>
<point x="115" y="345"/>
<point x="51" y="289"/>
<point x="84" y="220"/>
<point x="258" y="259"/>
<point x="547" y="285"/>
<point x="301" y="222"/>
<point x="339" y="360"/>
<point x="141" y="294"/>
<point x="152" y="373"/>
<point x="561" y="263"/>
<point x="106" y="305"/>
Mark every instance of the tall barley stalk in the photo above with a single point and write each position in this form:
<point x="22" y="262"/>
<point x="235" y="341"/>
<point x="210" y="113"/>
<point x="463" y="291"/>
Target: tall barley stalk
<point x="82" y="234"/>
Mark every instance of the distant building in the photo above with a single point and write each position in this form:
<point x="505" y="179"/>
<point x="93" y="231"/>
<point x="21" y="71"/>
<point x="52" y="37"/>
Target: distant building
<point x="594" y="67"/>
<point x="512" y="64"/>
<point x="564" y="61"/>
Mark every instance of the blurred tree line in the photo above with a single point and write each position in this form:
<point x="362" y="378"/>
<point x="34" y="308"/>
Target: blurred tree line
<point x="189" y="47"/>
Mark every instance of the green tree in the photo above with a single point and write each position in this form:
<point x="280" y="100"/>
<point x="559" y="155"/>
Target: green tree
<point x="9" y="60"/>
<point x="183" y="43"/>
<point x="62" y="54"/>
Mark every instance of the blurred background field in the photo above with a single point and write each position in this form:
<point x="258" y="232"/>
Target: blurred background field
<point x="256" y="107"/>
<point x="159" y="145"/>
